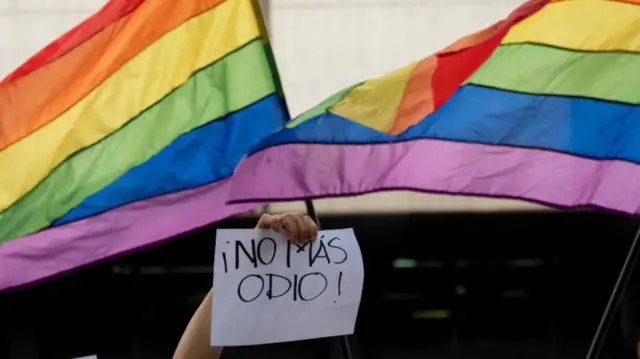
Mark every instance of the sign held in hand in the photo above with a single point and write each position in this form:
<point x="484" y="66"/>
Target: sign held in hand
<point x="269" y="290"/>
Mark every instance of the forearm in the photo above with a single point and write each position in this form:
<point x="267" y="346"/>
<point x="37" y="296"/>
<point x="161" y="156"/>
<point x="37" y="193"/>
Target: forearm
<point x="196" y="340"/>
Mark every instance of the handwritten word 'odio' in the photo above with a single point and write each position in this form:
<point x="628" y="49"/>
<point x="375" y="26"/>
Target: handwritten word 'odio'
<point x="303" y="287"/>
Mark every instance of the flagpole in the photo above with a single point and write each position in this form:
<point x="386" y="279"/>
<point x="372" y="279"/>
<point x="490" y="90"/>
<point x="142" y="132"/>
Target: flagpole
<point x="311" y="211"/>
<point x="617" y="294"/>
<point x="259" y="6"/>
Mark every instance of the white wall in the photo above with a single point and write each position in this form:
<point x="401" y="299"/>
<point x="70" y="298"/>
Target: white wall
<point x="28" y="25"/>
<point x="324" y="45"/>
<point x="321" y="46"/>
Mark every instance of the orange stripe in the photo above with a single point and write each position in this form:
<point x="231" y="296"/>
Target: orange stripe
<point x="474" y="39"/>
<point x="417" y="101"/>
<point x="113" y="11"/>
<point x="35" y="100"/>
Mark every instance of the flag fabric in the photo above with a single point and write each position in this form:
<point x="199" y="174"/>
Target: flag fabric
<point x="125" y="131"/>
<point x="542" y="106"/>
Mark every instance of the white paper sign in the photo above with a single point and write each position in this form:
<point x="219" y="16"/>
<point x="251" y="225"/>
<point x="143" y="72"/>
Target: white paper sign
<point x="89" y="357"/>
<point x="269" y="290"/>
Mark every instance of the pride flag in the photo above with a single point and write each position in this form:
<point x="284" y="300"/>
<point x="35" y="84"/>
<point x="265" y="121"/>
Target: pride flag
<point x="542" y="106"/>
<point x="125" y="131"/>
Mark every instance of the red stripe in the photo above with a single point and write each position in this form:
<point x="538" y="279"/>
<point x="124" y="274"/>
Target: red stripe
<point x="113" y="11"/>
<point x="456" y="65"/>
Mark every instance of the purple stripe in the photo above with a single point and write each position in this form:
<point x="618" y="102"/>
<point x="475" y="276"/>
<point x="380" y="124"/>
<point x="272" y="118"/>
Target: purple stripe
<point x="299" y="171"/>
<point x="57" y="250"/>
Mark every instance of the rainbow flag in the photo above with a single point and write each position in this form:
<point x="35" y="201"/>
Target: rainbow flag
<point x="542" y="106"/>
<point x="125" y="131"/>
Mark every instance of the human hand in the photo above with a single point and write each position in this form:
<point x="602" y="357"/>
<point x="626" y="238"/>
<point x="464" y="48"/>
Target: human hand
<point x="300" y="227"/>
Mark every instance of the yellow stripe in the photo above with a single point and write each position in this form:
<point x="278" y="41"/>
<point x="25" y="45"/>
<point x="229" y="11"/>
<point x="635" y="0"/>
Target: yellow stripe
<point x="627" y="1"/>
<point x="588" y="25"/>
<point x="149" y="76"/>
<point x="375" y="102"/>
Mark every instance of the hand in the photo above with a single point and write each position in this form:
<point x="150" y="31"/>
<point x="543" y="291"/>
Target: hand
<point x="300" y="227"/>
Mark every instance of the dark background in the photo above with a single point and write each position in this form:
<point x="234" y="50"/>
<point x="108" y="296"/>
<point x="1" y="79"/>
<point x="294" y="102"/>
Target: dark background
<point x="517" y="285"/>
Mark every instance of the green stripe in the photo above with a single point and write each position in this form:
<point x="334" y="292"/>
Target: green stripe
<point x="322" y="107"/>
<point x="228" y="85"/>
<point x="538" y="69"/>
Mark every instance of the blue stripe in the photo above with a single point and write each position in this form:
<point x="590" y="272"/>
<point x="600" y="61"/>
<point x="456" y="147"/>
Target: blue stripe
<point x="583" y="127"/>
<point x="205" y="155"/>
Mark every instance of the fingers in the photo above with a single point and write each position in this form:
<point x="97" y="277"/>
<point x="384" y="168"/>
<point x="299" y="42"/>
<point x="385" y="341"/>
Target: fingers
<point x="292" y="226"/>
<point x="268" y="221"/>
<point x="313" y="228"/>
<point x="300" y="227"/>
<point x="304" y="231"/>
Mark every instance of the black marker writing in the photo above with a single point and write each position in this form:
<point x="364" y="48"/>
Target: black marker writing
<point x="334" y="246"/>
<point x="307" y="297"/>
<point x="320" y="253"/>
<point x="295" y="287"/>
<point x="261" y="252"/>
<point x="302" y="247"/>
<point x="298" y="248"/>
<point x="224" y="261"/>
<point x="250" y="256"/>
<point x="329" y="251"/>
<point x="270" y="293"/>
<point x="241" y="296"/>
<point x="305" y="288"/>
